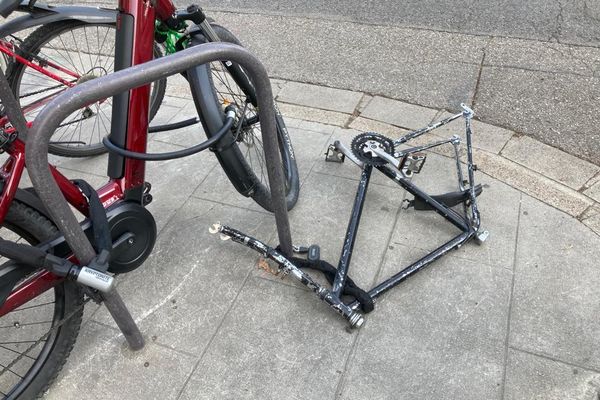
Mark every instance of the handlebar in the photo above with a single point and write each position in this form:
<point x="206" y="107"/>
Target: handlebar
<point x="49" y="119"/>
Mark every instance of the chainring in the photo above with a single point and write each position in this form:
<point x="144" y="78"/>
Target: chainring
<point x="362" y="142"/>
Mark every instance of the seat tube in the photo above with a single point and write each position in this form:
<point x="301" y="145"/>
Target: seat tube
<point x="129" y="126"/>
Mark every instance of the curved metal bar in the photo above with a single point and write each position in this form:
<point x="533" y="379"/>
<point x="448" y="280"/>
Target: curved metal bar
<point x="56" y="111"/>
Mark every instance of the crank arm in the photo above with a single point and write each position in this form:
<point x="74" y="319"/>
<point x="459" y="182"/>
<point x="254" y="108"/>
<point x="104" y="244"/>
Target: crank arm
<point x="387" y="157"/>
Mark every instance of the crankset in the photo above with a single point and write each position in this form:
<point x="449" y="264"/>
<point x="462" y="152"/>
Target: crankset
<point x="373" y="149"/>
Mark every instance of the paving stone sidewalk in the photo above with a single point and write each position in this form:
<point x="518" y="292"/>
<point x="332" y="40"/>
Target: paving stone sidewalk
<point x="514" y="318"/>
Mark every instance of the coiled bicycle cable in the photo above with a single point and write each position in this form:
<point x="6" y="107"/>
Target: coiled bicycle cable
<point x="229" y="119"/>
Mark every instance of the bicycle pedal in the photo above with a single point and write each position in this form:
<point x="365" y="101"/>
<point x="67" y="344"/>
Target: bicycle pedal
<point x="412" y="163"/>
<point x="334" y="155"/>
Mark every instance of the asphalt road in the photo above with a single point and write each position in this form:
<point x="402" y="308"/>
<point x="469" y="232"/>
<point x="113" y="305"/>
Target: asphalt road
<point x="573" y="21"/>
<point x="531" y="66"/>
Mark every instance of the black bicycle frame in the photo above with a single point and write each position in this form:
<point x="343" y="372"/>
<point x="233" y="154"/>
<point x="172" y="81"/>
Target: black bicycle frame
<point x="467" y="222"/>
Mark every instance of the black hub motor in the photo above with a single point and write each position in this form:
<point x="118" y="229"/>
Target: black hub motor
<point x="133" y="231"/>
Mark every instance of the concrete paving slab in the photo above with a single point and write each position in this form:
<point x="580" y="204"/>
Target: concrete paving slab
<point x="398" y="113"/>
<point x="184" y="137"/>
<point x="370" y="125"/>
<point x="100" y="367"/>
<point x="316" y="127"/>
<point x="192" y="277"/>
<point x="440" y="334"/>
<point x="555" y="302"/>
<point x="286" y="345"/>
<point x="322" y="97"/>
<point x="291" y="122"/>
<point x="174" y="181"/>
<point x="551" y="162"/>
<point x="557" y="109"/>
<point x="164" y="115"/>
<point x="530" y="377"/>
<point x="532" y="183"/>
<point x="95" y="165"/>
<point x="312" y="114"/>
<point x="177" y="102"/>
<point x="178" y="86"/>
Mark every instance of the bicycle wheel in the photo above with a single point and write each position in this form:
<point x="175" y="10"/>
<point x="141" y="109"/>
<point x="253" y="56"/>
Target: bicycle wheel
<point x="248" y="153"/>
<point x="25" y="375"/>
<point x="75" y="52"/>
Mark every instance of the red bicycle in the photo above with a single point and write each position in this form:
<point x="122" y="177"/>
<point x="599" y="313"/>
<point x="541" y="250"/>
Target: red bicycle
<point x="43" y="288"/>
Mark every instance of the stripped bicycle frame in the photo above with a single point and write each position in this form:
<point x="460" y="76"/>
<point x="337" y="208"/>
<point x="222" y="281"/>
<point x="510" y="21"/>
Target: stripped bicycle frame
<point x="468" y="222"/>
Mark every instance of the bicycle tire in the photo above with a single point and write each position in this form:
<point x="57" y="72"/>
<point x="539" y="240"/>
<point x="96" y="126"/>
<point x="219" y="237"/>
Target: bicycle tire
<point x="238" y="161"/>
<point x="27" y="223"/>
<point x="36" y="42"/>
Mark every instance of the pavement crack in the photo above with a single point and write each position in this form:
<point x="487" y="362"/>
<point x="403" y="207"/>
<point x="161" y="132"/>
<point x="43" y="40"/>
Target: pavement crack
<point x="555" y="36"/>
<point x="479" y="73"/>
<point x="587" y="213"/>
<point x="361" y="105"/>
<point x="591" y="182"/>
<point x="510" y="299"/>
<point x="555" y="359"/>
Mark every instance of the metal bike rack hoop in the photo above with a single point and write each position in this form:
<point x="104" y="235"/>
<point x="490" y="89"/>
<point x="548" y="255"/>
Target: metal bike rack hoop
<point x="49" y="119"/>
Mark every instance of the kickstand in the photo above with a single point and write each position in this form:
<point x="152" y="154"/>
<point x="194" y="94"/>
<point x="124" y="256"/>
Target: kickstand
<point x="119" y="312"/>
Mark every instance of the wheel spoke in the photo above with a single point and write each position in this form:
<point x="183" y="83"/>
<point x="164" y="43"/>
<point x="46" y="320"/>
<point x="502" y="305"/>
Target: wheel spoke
<point x="10" y="370"/>
<point x="18" y="352"/>
<point x="35" y="306"/>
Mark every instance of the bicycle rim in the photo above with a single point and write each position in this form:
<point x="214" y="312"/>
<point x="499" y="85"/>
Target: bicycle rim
<point x="22" y="328"/>
<point x="81" y="50"/>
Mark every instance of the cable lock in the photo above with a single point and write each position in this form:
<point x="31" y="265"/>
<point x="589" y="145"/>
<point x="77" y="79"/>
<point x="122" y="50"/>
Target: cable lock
<point x="229" y="119"/>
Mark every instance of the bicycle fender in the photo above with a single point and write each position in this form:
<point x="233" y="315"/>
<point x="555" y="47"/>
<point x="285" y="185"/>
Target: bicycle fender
<point x="212" y="118"/>
<point x="42" y="14"/>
